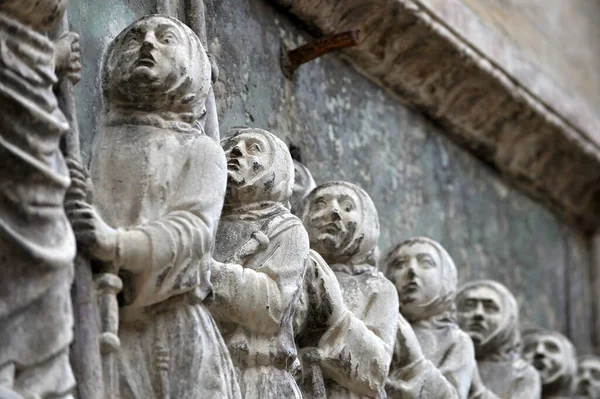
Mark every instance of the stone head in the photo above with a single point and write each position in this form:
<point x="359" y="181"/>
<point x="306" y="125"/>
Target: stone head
<point x="342" y="222"/>
<point x="157" y="64"/>
<point x="425" y="277"/>
<point x="259" y="167"/>
<point x="489" y="313"/>
<point x="587" y="379"/>
<point x="552" y="354"/>
<point x="41" y="15"/>
<point x="303" y="184"/>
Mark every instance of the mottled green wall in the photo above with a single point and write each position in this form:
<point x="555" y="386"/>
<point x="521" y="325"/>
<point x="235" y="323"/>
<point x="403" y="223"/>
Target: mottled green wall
<point x="348" y="128"/>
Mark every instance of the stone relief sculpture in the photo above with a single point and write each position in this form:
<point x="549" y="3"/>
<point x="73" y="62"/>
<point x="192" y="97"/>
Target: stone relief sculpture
<point x="260" y="256"/>
<point x="159" y="187"/>
<point x="303" y="184"/>
<point x="586" y="383"/>
<point x="36" y="241"/>
<point x="553" y="355"/>
<point x="349" y="329"/>
<point x="425" y="277"/>
<point x="489" y="313"/>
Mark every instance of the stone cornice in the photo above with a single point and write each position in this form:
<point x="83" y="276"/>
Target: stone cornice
<point x="542" y="140"/>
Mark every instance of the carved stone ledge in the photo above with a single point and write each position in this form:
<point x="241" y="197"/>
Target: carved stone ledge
<point x="404" y="48"/>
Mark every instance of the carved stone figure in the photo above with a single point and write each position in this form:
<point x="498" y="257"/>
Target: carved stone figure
<point x="303" y="184"/>
<point x="260" y="255"/>
<point x="159" y="187"/>
<point x="553" y="355"/>
<point x="425" y="277"/>
<point x="586" y="383"/>
<point x="36" y="241"/>
<point x="350" y="327"/>
<point x="489" y="313"/>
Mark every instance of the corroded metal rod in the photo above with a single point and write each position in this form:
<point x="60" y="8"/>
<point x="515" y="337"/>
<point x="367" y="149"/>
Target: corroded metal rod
<point x="292" y="59"/>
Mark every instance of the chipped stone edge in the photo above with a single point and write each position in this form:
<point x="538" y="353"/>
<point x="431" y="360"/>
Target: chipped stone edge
<point x="411" y="53"/>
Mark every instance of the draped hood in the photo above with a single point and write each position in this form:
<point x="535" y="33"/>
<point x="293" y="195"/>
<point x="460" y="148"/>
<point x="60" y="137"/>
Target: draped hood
<point x="178" y="102"/>
<point x="441" y="310"/>
<point x="505" y="341"/>
<point x="271" y="188"/>
<point x="361" y="245"/>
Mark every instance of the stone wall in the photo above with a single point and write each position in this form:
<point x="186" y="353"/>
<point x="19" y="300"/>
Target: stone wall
<point x="561" y="37"/>
<point x="348" y="128"/>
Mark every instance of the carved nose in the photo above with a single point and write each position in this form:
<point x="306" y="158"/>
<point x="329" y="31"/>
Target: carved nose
<point x="411" y="272"/>
<point x="237" y="151"/>
<point x="335" y="215"/>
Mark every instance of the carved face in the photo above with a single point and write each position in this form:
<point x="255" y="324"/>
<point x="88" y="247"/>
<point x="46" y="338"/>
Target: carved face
<point x="480" y="313"/>
<point x="417" y="274"/>
<point x="545" y="353"/>
<point x="587" y="379"/>
<point x="151" y="54"/>
<point x="248" y="155"/>
<point x="333" y="216"/>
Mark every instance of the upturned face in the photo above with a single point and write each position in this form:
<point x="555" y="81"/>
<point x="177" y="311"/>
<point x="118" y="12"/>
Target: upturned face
<point x="248" y="155"/>
<point x="417" y="274"/>
<point x="587" y="379"/>
<point x="479" y="313"/>
<point x="333" y="216"/>
<point x="545" y="354"/>
<point x="152" y="54"/>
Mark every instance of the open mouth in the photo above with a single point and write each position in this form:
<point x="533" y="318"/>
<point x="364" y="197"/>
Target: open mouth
<point x="540" y="364"/>
<point x="477" y="327"/>
<point x="233" y="164"/>
<point x="145" y="60"/>
<point x="410" y="287"/>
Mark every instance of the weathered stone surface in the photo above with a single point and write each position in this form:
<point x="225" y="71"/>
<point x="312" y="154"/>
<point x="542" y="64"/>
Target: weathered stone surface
<point x="260" y="258"/>
<point x="553" y="355"/>
<point x="425" y="276"/>
<point x="37" y="246"/>
<point x="489" y="313"/>
<point x="159" y="186"/>
<point x="587" y="379"/>
<point x="352" y="325"/>
<point x="408" y="51"/>
<point x="347" y="128"/>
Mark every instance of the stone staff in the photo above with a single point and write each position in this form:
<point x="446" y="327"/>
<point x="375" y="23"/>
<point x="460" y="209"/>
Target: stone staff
<point x="85" y="351"/>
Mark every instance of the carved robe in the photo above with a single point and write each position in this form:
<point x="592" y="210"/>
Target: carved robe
<point x="161" y="182"/>
<point x="356" y="350"/>
<point x="37" y="245"/>
<point x="262" y="250"/>
<point x="501" y="369"/>
<point x="446" y="369"/>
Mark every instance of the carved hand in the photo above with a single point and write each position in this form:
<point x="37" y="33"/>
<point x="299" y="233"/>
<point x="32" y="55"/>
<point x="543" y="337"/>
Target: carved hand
<point x="92" y="233"/>
<point x="67" y="57"/>
<point x="408" y="349"/>
<point x="332" y="295"/>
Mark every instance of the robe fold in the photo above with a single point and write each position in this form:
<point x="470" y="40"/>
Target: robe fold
<point x="163" y="191"/>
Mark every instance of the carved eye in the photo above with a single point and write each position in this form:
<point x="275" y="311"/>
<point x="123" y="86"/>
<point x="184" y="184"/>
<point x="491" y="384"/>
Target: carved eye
<point x="168" y="38"/>
<point x="132" y="44"/>
<point x="400" y="263"/>
<point x="254" y="148"/>
<point x="320" y="204"/>
<point x="348" y="206"/>
<point x="427" y="262"/>
<point x="552" y="347"/>
<point x="491" y="307"/>
<point x="470" y="304"/>
<point x="595" y="374"/>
